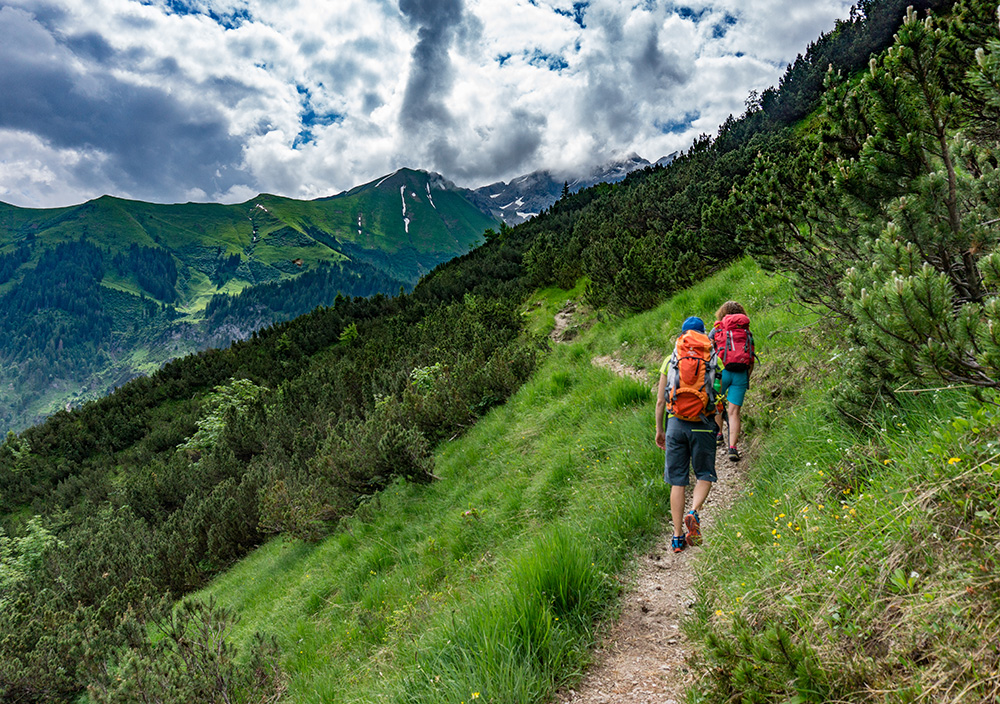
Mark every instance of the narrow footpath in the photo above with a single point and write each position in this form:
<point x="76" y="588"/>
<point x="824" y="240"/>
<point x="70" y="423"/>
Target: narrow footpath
<point x="640" y="658"/>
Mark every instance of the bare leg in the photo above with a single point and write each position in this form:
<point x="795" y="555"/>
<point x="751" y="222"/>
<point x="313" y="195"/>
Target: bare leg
<point x="701" y="490"/>
<point x="734" y="424"/>
<point x="677" y="508"/>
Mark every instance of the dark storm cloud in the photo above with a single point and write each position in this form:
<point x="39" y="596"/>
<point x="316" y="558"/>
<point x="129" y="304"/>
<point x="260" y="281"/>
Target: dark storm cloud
<point x="431" y="71"/>
<point x="371" y="102"/>
<point x="607" y="108"/>
<point x="511" y="148"/>
<point x="228" y="90"/>
<point x="92" y="46"/>
<point x="152" y="145"/>
<point x="49" y="15"/>
<point x="656" y="69"/>
<point x="518" y="143"/>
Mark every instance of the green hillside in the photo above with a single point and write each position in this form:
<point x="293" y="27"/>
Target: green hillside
<point x="858" y="565"/>
<point x="494" y="578"/>
<point x="170" y="277"/>
<point x="419" y="498"/>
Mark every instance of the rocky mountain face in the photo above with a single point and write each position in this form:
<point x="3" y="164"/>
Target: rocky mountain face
<point x="528" y="195"/>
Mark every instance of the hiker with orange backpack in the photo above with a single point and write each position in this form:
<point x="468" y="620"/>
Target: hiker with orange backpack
<point x="734" y="347"/>
<point x="686" y="400"/>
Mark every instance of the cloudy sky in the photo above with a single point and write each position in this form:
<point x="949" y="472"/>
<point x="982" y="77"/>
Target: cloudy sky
<point x="218" y="100"/>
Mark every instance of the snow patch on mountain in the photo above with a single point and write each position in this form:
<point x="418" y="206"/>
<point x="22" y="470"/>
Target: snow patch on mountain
<point x="386" y="179"/>
<point x="530" y="194"/>
<point x="402" y="197"/>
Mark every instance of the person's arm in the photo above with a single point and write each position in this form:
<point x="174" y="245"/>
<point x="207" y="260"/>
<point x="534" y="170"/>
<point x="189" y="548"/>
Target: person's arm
<point x="661" y="408"/>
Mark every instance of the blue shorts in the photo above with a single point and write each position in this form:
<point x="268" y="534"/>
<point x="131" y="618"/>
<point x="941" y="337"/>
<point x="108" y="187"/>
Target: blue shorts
<point x="689" y="446"/>
<point x="734" y="385"/>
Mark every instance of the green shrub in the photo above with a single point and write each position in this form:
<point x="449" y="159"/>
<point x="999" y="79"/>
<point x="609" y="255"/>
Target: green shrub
<point x="188" y="660"/>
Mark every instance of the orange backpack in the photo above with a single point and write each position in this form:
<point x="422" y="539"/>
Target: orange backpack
<point x="690" y="395"/>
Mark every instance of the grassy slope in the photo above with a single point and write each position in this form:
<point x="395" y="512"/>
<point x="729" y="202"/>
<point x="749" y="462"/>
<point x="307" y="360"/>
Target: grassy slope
<point x="859" y="565"/>
<point x="490" y="580"/>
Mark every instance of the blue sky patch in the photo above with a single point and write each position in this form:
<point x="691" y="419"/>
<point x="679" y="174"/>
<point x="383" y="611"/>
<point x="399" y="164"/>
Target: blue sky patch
<point x="303" y="138"/>
<point x="720" y="29"/>
<point x="552" y="62"/>
<point x="229" y="20"/>
<point x="687" y="13"/>
<point x="677" y="126"/>
<point x="576" y="14"/>
<point x="310" y="118"/>
<point x="503" y="58"/>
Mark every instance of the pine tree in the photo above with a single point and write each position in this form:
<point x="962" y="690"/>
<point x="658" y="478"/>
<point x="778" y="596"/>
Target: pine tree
<point x="892" y="222"/>
<point x="921" y="298"/>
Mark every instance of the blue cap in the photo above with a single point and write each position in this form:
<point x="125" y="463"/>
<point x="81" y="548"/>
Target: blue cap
<point x="693" y="323"/>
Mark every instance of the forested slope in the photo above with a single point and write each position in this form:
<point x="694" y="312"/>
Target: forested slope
<point x="96" y="294"/>
<point x="165" y="483"/>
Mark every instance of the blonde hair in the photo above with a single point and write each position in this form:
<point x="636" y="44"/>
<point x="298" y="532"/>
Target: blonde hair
<point x="729" y="308"/>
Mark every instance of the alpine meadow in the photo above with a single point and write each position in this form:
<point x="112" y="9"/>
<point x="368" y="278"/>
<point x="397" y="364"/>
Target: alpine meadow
<point x="418" y="495"/>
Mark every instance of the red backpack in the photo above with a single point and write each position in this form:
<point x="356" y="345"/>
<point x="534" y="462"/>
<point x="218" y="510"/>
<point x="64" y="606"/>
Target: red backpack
<point x="734" y="342"/>
<point x="690" y="395"/>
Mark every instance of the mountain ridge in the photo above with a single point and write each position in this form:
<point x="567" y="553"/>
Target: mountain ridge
<point x="527" y="195"/>
<point x="182" y="277"/>
<point x="171" y="279"/>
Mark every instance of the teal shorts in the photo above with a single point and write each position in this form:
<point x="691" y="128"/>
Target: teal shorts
<point x="734" y="385"/>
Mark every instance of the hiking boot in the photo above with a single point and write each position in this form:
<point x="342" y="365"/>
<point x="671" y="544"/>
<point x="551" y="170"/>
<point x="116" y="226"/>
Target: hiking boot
<point x="734" y="454"/>
<point x="720" y="439"/>
<point x="693" y="525"/>
<point x="678" y="543"/>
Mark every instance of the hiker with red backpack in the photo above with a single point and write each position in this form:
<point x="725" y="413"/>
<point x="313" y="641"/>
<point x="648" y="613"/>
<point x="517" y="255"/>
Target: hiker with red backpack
<point x="685" y="426"/>
<point x="734" y="347"/>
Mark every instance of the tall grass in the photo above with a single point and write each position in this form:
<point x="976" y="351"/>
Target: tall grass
<point x="857" y="565"/>
<point x="860" y="565"/>
<point x="489" y="583"/>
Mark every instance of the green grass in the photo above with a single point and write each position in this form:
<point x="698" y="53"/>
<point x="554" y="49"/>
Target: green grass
<point x="540" y="310"/>
<point x="860" y="564"/>
<point x="491" y="580"/>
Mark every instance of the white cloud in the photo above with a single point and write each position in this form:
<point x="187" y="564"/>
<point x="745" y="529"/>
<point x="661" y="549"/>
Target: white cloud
<point x="309" y="98"/>
<point x="33" y="174"/>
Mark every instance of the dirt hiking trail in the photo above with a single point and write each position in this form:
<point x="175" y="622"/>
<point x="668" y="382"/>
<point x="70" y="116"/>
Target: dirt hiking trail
<point x="640" y="658"/>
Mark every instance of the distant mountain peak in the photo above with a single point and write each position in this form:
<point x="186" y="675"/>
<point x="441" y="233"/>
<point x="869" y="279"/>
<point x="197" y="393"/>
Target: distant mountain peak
<point x="529" y="194"/>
